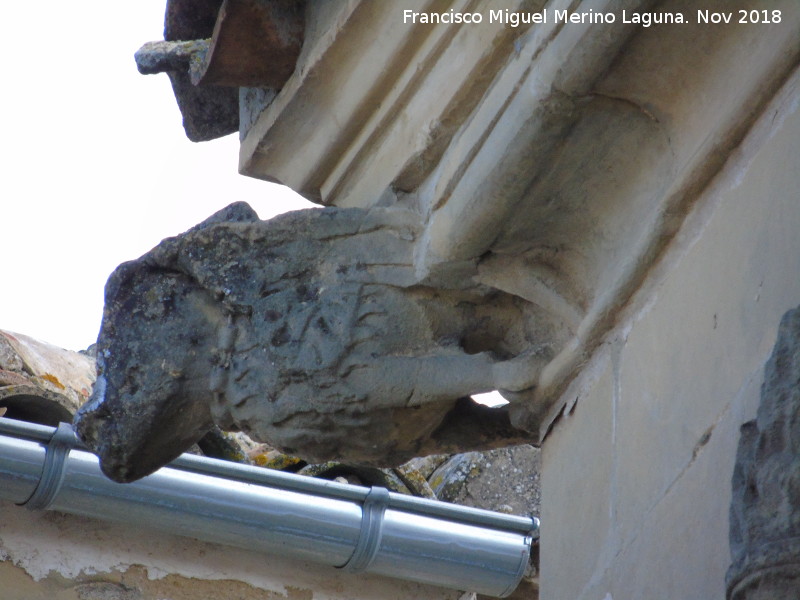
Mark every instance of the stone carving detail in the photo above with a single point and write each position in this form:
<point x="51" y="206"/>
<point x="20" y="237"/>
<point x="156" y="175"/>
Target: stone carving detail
<point x="308" y="331"/>
<point x="765" y="510"/>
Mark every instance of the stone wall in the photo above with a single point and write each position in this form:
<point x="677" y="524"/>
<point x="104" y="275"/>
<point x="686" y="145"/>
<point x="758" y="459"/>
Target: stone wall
<point x="53" y="556"/>
<point x="636" y="476"/>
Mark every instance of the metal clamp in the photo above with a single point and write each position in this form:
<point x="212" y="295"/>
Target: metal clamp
<point x="56" y="454"/>
<point x="369" y="538"/>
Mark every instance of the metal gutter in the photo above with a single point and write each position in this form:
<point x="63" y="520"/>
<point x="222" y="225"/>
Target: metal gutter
<point x="351" y="527"/>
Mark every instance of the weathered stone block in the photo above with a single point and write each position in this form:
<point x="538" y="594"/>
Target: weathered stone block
<point x="765" y="508"/>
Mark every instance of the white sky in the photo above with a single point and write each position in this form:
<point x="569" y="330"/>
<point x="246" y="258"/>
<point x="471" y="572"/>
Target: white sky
<point x="96" y="168"/>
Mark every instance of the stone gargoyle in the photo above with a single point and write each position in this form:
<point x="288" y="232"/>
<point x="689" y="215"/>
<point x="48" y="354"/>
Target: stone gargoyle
<point x="308" y="331"/>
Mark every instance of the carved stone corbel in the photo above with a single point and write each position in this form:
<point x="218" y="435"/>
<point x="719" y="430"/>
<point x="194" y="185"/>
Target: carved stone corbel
<point x="309" y="332"/>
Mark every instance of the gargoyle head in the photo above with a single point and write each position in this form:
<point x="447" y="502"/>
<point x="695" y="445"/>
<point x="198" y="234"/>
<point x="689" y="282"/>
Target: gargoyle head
<point x="150" y="401"/>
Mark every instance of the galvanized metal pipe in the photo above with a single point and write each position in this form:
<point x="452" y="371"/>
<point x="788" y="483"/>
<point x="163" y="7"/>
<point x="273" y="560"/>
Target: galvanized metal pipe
<point x="351" y="527"/>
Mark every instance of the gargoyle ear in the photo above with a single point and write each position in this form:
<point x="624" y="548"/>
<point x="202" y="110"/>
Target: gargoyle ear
<point x="238" y="212"/>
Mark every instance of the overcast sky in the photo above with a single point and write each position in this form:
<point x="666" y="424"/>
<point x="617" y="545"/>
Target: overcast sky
<point x="96" y="166"/>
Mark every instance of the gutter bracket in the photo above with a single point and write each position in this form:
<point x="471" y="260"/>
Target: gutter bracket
<point x="62" y="441"/>
<point x="369" y="537"/>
